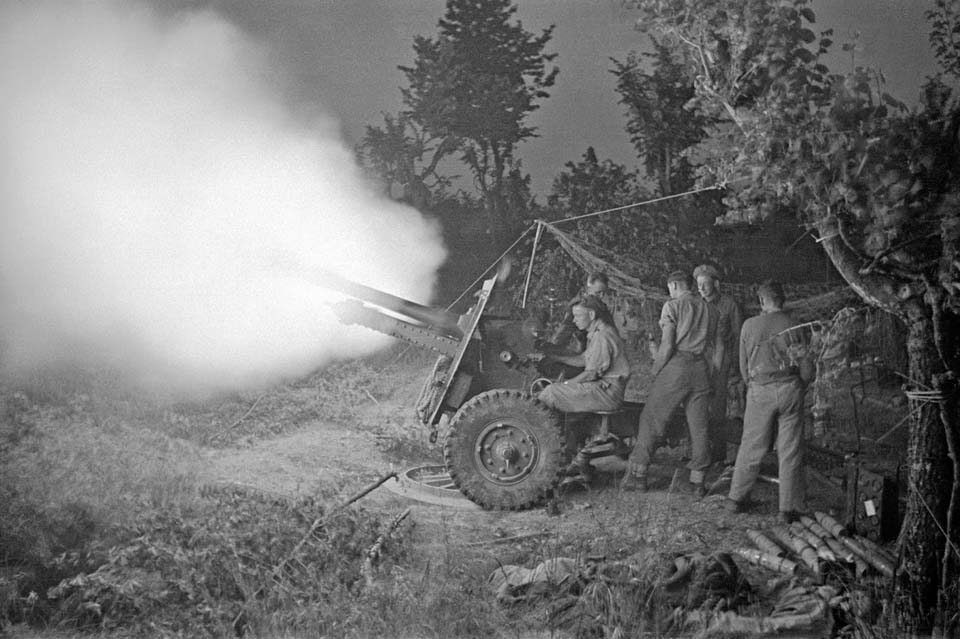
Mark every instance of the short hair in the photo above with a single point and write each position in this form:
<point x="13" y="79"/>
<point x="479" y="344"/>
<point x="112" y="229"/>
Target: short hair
<point x="598" y="276"/>
<point x="707" y="270"/>
<point x="680" y="277"/>
<point x="772" y="290"/>
<point x="595" y="304"/>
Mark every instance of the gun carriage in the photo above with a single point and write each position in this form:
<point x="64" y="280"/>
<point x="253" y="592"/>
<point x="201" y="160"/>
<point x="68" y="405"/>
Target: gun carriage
<point x="503" y="448"/>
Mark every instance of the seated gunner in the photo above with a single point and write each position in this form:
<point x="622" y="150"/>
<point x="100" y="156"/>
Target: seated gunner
<point x="601" y="385"/>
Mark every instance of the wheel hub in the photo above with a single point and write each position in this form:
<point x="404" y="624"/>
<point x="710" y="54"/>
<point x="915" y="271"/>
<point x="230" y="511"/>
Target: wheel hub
<point x="506" y="452"/>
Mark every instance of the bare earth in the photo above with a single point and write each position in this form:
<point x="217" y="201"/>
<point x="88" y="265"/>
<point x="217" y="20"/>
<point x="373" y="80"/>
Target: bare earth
<point x="602" y="521"/>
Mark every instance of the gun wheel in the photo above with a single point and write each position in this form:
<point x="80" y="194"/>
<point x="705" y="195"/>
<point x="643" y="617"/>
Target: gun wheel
<point x="539" y="384"/>
<point x="504" y="450"/>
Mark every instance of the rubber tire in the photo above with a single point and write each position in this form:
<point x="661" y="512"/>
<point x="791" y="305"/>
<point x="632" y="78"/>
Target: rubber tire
<point x="524" y="413"/>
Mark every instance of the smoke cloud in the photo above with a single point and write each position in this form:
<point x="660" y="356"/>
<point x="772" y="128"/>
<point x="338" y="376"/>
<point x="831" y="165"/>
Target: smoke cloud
<point x="161" y="211"/>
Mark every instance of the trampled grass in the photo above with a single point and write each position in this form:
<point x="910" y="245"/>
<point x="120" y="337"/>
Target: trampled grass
<point x="107" y="526"/>
<point x="105" y="505"/>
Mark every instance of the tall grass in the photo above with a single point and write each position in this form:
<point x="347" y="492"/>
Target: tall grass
<point x="101" y="507"/>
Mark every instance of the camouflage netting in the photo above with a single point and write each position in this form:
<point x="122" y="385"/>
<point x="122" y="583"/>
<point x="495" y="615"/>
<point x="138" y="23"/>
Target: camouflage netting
<point x="806" y="302"/>
<point x="637" y="303"/>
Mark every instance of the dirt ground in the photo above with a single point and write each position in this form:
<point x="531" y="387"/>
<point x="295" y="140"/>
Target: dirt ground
<point x="332" y="440"/>
<point x="601" y="521"/>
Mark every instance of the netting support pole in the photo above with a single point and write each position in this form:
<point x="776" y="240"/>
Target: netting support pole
<point x="533" y="254"/>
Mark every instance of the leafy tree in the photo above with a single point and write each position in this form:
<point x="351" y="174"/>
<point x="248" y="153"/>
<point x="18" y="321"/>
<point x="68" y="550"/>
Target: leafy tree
<point x="945" y="34"/>
<point x="591" y="185"/>
<point x="473" y="87"/>
<point x="879" y="185"/>
<point x="659" y="125"/>
<point x="647" y="243"/>
<point x="405" y="157"/>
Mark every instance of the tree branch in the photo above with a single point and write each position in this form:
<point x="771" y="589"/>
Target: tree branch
<point x="866" y="270"/>
<point x="707" y="85"/>
<point x="934" y="298"/>
<point x="874" y="289"/>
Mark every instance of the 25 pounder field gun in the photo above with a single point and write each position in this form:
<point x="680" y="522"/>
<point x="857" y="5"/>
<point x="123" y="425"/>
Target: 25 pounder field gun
<point x="503" y="448"/>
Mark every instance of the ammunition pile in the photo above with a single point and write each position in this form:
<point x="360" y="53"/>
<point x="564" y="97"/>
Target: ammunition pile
<point x="816" y="548"/>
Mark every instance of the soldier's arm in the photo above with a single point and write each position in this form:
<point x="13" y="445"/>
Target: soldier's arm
<point x="743" y="358"/>
<point x="667" y="347"/>
<point x="736" y="323"/>
<point x="569" y="360"/>
<point x="736" y="318"/>
<point x="595" y="361"/>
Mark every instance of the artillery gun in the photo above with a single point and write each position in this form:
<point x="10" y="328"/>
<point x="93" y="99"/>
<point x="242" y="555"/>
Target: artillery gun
<point x="503" y="448"/>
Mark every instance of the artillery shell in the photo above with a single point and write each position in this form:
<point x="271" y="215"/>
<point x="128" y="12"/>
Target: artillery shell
<point x="783" y="536"/>
<point x="884" y="567"/>
<point x="807" y="554"/>
<point x="841" y="551"/>
<point x="816" y="528"/>
<point x="831" y="524"/>
<point x="764" y="543"/>
<point x="819" y="546"/>
<point x="766" y="560"/>
<point x="800" y="547"/>
<point x="861" y="566"/>
<point x="880" y="551"/>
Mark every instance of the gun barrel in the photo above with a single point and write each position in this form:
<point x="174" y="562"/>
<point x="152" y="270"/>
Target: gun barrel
<point x="437" y="318"/>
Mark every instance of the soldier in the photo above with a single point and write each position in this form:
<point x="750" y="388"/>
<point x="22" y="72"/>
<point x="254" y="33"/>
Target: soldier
<point x="603" y="381"/>
<point x="682" y="375"/>
<point x="568" y="339"/>
<point x="776" y="372"/>
<point x="729" y="319"/>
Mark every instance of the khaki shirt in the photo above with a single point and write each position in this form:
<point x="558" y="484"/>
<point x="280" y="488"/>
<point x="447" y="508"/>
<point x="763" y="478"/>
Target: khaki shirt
<point x="763" y="352"/>
<point x="567" y="331"/>
<point x="606" y="354"/>
<point x="695" y="322"/>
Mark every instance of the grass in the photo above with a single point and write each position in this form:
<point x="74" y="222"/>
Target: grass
<point x="103" y="505"/>
<point x="106" y="523"/>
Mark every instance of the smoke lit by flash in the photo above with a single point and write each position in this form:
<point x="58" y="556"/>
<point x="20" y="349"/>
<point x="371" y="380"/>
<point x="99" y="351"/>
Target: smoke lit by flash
<point x="162" y="212"/>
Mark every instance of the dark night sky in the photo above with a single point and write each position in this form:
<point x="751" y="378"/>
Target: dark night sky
<point x="342" y="57"/>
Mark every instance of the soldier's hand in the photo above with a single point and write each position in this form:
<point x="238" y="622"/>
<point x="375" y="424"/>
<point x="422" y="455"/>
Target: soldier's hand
<point x="739" y="387"/>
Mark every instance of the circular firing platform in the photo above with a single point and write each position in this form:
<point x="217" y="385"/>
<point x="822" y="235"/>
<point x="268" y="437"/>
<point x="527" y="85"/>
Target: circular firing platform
<point x="431" y="485"/>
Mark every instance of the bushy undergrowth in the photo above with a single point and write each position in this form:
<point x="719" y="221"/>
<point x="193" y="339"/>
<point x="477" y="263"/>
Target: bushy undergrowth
<point x="69" y="475"/>
<point x="98" y="493"/>
<point x="230" y="562"/>
<point x="237" y="562"/>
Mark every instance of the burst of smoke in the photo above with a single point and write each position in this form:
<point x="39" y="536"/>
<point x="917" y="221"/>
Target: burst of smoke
<point x="161" y="212"/>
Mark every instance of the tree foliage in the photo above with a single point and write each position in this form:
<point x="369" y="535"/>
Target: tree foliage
<point x="645" y="242"/>
<point x="591" y="185"/>
<point x="653" y="240"/>
<point x="473" y="87"/>
<point x="879" y="185"/>
<point x="945" y="34"/>
<point x="658" y="122"/>
<point x="405" y="157"/>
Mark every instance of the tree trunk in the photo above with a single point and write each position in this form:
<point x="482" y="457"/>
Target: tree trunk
<point x="930" y="480"/>
<point x="927" y="561"/>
